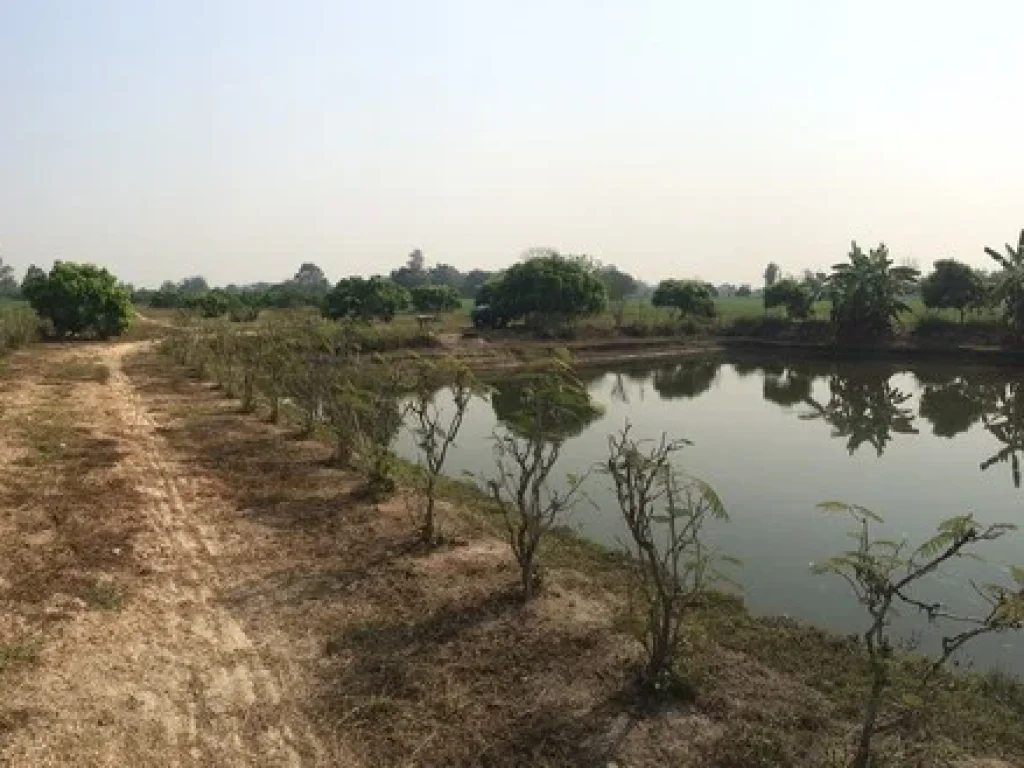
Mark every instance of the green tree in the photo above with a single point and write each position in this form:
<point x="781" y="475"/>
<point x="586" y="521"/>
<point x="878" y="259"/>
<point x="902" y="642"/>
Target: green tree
<point x="366" y="299"/>
<point x="788" y="293"/>
<point x="473" y="281"/>
<point x="215" y="303"/>
<point x="192" y="286"/>
<point x="1009" y="285"/>
<point x="547" y="290"/>
<point x="814" y="281"/>
<point x="447" y="275"/>
<point x="413" y="273"/>
<point x="687" y="297"/>
<point x="619" y="285"/>
<point x="771" y="274"/>
<point x="310" y="275"/>
<point x="867" y="294"/>
<point x="435" y="298"/>
<point x="79" y="299"/>
<point x="952" y="285"/>
<point x="8" y="283"/>
<point x="743" y="291"/>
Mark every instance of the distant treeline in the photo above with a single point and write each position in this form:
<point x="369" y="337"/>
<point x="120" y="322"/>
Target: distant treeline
<point x="308" y="287"/>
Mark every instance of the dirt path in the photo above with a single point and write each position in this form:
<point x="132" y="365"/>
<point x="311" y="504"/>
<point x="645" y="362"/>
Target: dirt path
<point x="172" y="678"/>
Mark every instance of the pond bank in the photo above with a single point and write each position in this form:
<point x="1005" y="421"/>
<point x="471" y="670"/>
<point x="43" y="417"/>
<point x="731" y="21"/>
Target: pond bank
<point x="505" y="355"/>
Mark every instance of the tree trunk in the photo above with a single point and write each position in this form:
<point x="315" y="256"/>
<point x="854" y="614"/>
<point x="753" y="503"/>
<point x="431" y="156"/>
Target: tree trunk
<point x="526" y="579"/>
<point x="427" y="532"/>
<point x="863" y="757"/>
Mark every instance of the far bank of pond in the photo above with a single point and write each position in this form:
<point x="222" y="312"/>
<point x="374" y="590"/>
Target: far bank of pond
<point x="915" y="440"/>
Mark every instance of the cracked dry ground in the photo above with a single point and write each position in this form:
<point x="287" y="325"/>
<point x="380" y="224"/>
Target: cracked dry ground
<point x="116" y="644"/>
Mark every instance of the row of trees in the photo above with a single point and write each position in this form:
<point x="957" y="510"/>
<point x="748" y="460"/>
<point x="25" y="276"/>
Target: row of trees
<point x="868" y="293"/>
<point x="309" y="287"/>
<point x="314" y="366"/>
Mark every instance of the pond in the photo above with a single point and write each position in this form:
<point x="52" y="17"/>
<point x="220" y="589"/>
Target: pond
<point x="916" y="443"/>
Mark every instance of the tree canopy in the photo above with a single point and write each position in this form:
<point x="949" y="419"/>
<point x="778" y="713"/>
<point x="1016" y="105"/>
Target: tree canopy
<point x="687" y="297"/>
<point x="79" y="299"/>
<point x="1009" y="288"/>
<point x="546" y="290"/>
<point x="8" y="283"/>
<point x="435" y="298"/>
<point x="867" y="293"/>
<point x="952" y="285"/>
<point x="788" y="293"/>
<point x="617" y="283"/>
<point x="366" y="299"/>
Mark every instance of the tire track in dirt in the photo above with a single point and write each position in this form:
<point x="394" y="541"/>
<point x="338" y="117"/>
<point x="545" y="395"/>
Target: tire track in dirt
<point x="173" y="678"/>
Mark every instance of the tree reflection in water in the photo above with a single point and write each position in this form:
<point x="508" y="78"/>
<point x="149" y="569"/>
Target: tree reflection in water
<point x="1006" y="423"/>
<point x="992" y="398"/>
<point x="864" y="407"/>
<point x="688" y="379"/>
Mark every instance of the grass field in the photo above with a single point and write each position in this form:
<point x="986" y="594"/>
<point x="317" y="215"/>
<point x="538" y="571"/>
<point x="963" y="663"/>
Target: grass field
<point x="639" y="318"/>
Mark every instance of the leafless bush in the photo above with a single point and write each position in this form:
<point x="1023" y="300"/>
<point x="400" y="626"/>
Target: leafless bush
<point x="882" y="574"/>
<point x="436" y="428"/>
<point x="541" y="411"/>
<point x="666" y="513"/>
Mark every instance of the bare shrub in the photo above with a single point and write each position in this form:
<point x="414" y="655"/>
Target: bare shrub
<point x="540" y="412"/>
<point x="436" y="429"/>
<point x="882" y="574"/>
<point x="665" y="513"/>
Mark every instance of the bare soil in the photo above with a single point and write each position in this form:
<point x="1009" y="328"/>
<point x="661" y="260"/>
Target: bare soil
<point x="185" y="585"/>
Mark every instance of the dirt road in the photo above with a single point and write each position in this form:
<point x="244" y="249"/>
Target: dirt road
<point x="171" y="677"/>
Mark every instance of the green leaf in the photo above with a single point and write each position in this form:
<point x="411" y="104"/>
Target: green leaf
<point x="855" y="510"/>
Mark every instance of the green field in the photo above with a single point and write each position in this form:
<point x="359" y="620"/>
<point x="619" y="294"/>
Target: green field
<point x="732" y="308"/>
<point x="638" y="315"/>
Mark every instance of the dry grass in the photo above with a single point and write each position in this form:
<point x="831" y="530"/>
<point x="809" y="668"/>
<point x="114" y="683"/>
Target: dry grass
<point x="66" y="525"/>
<point x="418" y="658"/>
<point x="169" y="513"/>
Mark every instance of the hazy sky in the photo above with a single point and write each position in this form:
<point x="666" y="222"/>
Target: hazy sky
<point x="674" y="138"/>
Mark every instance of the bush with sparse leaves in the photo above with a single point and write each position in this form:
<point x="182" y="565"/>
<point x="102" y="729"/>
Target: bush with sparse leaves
<point x="883" y="574"/>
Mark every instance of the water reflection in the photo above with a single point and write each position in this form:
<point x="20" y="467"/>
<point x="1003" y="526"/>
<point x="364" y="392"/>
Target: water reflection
<point x="864" y="406"/>
<point x="788" y="388"/>
<point x="952" y="407"/>
<point x="689" y="379"/>
<point x="559" y="420"/>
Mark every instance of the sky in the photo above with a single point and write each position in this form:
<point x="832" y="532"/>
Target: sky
<point x="237" y="139"/>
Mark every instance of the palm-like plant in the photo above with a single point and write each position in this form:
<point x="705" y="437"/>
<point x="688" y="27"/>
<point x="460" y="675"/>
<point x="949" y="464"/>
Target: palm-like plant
<point x="1009" y="288"/>
<point x="867" y="293"/>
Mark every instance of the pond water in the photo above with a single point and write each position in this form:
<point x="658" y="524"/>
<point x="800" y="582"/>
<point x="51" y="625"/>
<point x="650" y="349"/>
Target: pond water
<point x="916" y="443"/>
